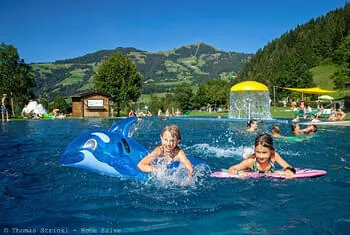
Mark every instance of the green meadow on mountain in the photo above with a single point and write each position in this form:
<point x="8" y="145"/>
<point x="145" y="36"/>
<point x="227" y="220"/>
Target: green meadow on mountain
<point x="161" y="71"/>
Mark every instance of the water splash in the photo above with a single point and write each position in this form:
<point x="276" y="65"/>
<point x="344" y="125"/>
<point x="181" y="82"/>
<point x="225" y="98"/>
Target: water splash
<point x="250" y="105"/>
<point x="178" y="177"/>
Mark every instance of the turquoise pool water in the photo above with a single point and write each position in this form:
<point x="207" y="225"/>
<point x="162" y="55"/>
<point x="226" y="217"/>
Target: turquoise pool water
<point x="39" y="195"/>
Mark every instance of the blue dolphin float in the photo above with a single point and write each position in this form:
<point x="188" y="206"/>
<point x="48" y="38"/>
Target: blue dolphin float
<point x="109" y="152"/>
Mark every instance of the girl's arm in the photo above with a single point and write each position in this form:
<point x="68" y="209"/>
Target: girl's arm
<point x="145" y="164"/>
<point x="289" y="171"/>
<point x="184" y="160"/>
<point x="281" y="161"/>
<point x="245" y="164"/>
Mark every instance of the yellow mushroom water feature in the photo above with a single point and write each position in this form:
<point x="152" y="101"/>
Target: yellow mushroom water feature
<point x="249" y="100"/>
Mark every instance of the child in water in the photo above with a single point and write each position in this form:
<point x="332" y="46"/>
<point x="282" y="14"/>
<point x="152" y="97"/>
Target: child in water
<point x="263" y="159"/>
<point x="253" y="125"/>
<point x="168" y="150"/>
<point x="276" y="131"/>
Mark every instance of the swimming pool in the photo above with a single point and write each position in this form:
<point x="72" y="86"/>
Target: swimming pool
<point x="40" y="195"/>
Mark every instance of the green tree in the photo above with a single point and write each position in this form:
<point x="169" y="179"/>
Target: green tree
<point x="59" y="103"/>
<point x="183" y="95"/>
<point x="44" y="102"/>
<point x="16" y="77"/>
<point x="118" y="76"/>
<point x="154" y="104"/>
<point x="214" y="92"/>
<point x="342" y="57"/>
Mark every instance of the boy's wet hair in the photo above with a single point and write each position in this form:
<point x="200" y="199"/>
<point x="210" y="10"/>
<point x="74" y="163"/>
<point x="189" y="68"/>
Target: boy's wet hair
<point x="314" y="128"/>
<point x="294" y="125"/>
<point x="276" y="129"/>
<point x="174" y="131"/>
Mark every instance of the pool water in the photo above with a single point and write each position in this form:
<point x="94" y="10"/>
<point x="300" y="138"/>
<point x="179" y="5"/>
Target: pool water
<point x="39" y="195"/>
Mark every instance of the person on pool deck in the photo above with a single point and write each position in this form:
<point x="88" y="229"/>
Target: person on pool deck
<point x="296" y="119"/>
<point x="263" y="159"/>
<point x="168" y="150"/>
<point x="132" y="113"/>
<point x="340" y="115"/>
<point x="253" y="125"/>
<point x="314" y="118"/>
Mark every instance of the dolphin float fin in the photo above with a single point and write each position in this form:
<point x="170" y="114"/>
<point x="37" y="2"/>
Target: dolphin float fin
<point x="123" y="126"/>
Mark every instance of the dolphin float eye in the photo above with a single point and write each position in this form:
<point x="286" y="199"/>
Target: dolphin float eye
<point x="126" y="145"/>
<point x="91" y="144"/>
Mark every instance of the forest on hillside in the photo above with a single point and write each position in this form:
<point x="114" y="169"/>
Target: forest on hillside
<point x="286" y="61"/>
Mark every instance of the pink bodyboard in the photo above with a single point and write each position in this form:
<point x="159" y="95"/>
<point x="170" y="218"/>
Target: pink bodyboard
<point x="279" y="174"/>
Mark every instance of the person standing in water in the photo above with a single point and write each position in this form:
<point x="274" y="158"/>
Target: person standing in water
<point x="168" y="151"/>
<point x="4" y="111"/>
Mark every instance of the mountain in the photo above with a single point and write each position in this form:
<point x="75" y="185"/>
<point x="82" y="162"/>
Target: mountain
<point x="161" y="71"/>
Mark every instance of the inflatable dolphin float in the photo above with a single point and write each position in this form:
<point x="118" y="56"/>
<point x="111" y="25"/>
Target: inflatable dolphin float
<point x="109" y="152"/>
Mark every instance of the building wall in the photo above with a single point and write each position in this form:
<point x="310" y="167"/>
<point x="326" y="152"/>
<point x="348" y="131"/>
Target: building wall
<point x="77" y="107"/>
<point x="88" y="112"/>
<point x="81" y="109"/>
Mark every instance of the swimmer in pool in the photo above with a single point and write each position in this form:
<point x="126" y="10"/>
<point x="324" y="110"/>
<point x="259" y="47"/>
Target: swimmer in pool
<point x="276" y="131"/>
<point x="168" y="150"/>
<point x="253" y="126"/>
<point x="263" y="159"/>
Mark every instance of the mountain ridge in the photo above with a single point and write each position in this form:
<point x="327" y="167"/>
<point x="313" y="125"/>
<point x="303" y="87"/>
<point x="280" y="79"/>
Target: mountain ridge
<point x="194" y="63"/>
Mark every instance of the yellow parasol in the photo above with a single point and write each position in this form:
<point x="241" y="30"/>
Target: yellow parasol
<point x="314" y="90"/>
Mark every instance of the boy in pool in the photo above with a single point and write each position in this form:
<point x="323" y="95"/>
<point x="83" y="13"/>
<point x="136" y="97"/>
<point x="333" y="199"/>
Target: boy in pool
<point x="276" y="131"/>
<point x="168" y="150"/>
<point x="309" y="130"/>
<point x="263" y="159"/>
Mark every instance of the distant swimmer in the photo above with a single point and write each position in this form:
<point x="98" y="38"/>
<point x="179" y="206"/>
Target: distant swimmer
<point x="276" y="131"/>
<point x="340" y="115"/>
<point x="253" y="125"/>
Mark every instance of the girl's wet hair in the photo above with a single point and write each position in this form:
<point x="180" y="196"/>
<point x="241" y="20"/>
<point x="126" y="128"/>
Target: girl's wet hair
<point x="264" y="140"/>
<point x="174" y="131"/>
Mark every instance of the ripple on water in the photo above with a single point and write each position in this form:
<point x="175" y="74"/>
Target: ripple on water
<point x="37" y="191"/>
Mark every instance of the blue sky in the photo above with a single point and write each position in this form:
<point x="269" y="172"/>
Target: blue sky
<point x="49" y="30"/>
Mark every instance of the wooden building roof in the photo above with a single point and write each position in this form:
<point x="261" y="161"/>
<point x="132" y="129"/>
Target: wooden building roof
<point x="88" y="93"/>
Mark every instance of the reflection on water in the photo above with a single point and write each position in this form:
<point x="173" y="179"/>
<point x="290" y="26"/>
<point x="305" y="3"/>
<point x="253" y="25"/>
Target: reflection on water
<point x="36" y="191"/>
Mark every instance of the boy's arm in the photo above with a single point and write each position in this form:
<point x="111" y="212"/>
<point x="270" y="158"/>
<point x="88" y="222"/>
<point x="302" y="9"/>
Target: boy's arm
<point x="145" y="164"/>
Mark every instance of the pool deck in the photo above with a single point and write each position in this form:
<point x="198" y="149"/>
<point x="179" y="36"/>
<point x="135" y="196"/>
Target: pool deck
<point x="336" y="123"/>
